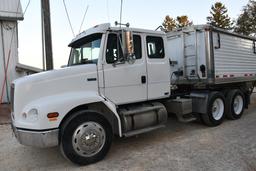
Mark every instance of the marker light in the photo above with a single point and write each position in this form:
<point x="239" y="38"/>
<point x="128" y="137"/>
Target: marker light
<point x="53" y="116"/>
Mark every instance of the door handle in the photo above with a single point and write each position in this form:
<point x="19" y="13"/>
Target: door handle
<point x="91" y="79"/>
<point x="143" y="79"/>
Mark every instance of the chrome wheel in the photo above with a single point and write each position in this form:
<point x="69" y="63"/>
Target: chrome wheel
<point x="88" y="139"/>
<point x="238" y="104"/>
<point x="218" y="109"/>
<point x="235" y="104"/>
<point x="215" y="109"/>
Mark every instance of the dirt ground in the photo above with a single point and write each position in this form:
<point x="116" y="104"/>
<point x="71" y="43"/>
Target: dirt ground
<point x="5" y="116"/>
<point x="192" y="146"/>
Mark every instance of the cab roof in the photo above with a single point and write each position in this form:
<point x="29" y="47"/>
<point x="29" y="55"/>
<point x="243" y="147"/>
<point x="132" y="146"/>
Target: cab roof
<point x="103" y="28"/>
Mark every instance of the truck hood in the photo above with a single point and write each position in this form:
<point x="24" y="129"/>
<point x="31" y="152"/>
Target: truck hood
<point x="70" y="79"/>
<point x="57" y="74"/>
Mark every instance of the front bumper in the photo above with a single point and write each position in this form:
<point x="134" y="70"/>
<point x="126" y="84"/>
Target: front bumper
<point x="41" y="139"/>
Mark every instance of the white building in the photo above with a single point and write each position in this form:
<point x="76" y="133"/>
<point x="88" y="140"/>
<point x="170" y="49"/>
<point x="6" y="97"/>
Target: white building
<point x="10" y="13"/>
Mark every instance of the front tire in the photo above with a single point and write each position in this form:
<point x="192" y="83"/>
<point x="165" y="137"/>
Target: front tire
<point x="86" y="138"/>
<point x="235" y="103"/>
<point x="215" y="109"/>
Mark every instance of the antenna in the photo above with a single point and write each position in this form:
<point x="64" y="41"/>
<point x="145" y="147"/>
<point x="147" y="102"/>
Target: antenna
<point x="107" y="3"/>
<point x="121" y="12"/>
<point x="83" y="18"/>
<point x="68" y="18"/>
<point x="120" y="22"/>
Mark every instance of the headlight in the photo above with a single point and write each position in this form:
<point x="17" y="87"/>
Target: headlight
<point x="31" y="115"/>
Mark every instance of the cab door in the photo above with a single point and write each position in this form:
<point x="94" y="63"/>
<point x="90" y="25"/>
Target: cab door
<point x="123" y="82"/>
<point x="158" y="67"/>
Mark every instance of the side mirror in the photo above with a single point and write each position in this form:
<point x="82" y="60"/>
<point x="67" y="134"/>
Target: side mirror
<point x="128" y="47"/>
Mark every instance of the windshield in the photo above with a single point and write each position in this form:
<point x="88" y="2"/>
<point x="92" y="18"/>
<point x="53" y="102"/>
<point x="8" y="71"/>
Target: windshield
<point x="86" y="50"/>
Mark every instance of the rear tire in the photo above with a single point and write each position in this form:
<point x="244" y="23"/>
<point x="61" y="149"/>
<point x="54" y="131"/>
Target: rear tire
<point x="235" y="103"/>
<point x="215" y="109"/>
<point x="86" y="138"/>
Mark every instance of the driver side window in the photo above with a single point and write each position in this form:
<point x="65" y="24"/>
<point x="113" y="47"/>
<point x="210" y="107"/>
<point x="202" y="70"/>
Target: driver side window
<point x="114" y="50"/>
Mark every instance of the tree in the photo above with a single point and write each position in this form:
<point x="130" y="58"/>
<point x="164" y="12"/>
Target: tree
<point x="219" y="17"/>
<point x="246" y="22"/>
<point x="183" y="21"/>
<point x="169" y="23"/>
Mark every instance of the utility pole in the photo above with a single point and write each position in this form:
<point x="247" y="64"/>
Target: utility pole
<point x="46" y="35"/>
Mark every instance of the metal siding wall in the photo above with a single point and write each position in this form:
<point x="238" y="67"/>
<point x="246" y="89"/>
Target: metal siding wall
<point x="1" y="63"/>
<point x="9" y="8"/>
<point x="11" y="74"/>
<point x="9" y="11"/>
<point x="235" y="56"/>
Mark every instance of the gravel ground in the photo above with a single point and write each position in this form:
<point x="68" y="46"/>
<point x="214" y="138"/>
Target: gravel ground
<point x="191" y="146"/>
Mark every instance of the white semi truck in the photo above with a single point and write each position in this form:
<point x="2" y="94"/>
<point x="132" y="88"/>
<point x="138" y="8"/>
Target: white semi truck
<point x="124" y="81"/>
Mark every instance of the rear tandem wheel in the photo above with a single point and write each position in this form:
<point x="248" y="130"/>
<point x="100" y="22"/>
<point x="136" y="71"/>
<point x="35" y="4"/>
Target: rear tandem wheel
<point x="235" y="103"/>
<point x="215" y="109"/>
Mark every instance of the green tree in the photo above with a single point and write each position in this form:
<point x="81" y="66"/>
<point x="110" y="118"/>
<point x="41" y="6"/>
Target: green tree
<point x="183" y="21"/>
<point x="219" y="17"/>
<point x="246" y="22"/>
<point x="169" y="23"/>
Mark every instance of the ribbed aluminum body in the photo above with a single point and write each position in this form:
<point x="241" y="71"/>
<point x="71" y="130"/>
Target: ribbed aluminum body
<point x="211" y="55"/>
<point x="235" y="58"/>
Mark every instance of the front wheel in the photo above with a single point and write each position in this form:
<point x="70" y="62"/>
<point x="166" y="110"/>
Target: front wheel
<point x="85" y="138"/>
<point x="215" y="109"/>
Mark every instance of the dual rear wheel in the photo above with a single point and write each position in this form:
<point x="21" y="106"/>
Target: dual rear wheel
<point x="235" y="102"/>
<point x="219" y="106"/>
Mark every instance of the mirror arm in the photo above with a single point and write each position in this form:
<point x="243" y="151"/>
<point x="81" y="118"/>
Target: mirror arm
<point x="118" y="63"/>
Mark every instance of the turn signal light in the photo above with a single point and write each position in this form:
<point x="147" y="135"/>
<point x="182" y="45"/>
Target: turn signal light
<point x="52" y="115"/>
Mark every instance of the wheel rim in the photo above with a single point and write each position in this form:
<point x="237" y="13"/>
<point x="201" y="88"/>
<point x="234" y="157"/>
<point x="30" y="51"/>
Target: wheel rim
<point x="88" y="139"/>
<point x="238" y="104"/>
<point x="218" y="109"/>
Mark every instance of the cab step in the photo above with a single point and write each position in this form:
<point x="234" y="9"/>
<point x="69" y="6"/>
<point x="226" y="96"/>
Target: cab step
<point x="186" y="118"/>
<point x="140" y="131"/>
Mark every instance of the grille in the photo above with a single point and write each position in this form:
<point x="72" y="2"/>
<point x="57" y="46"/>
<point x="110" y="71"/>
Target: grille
<point x="12" y="97"/>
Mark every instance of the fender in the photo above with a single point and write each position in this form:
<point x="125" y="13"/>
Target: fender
<point x="61" y="103"/>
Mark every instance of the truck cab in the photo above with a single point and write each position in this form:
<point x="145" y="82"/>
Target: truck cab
<point x="144" y="77"/>
<point x="120" y="81"/>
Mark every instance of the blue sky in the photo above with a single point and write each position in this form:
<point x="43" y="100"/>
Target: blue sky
<point x="148" y="14"/>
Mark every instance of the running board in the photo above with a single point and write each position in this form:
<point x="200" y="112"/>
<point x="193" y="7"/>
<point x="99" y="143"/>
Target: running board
<point x="140" y="131"/>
